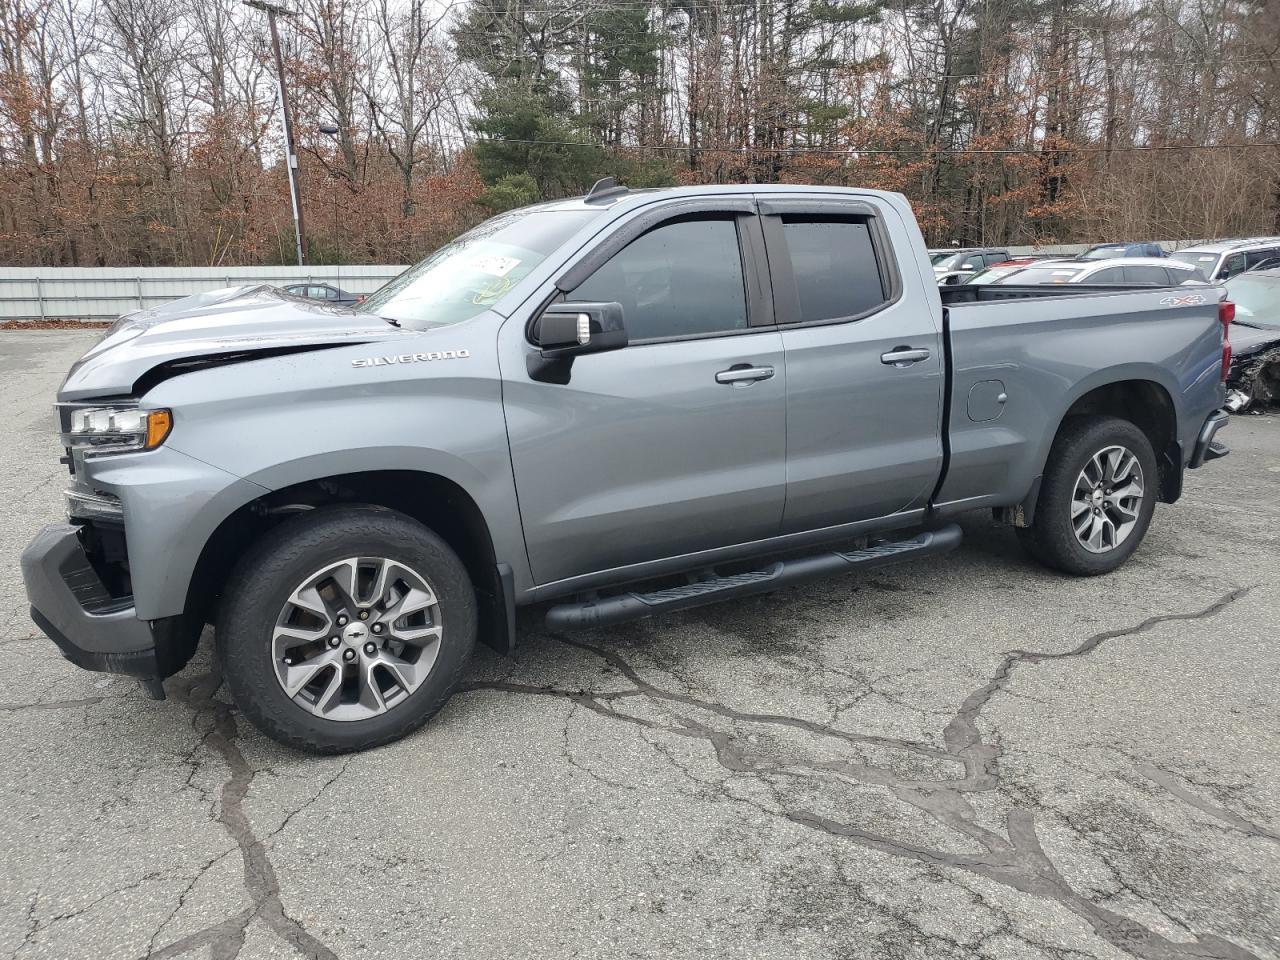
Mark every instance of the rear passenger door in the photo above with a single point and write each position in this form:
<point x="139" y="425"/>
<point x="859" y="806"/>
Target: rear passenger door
<point x="864" y="363"/>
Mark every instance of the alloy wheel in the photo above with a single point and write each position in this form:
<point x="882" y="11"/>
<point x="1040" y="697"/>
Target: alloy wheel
<point x="1107" y="499"/>
<point x="356" y="638"/>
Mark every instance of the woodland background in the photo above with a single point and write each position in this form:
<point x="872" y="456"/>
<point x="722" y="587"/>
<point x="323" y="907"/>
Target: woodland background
<point x="146" y="132"/>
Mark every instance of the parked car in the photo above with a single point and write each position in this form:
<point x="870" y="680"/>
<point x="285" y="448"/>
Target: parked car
<point x="950" y="267"/>
<point x="1254" y="375"/>
<point x="623" y="404"/>
<point x="1109" y="251"/>
<point x="1132" y="271"/>
<point x="326" y="292"/>
<point x="999" y="271"/>
<point x="1224" y="259"/>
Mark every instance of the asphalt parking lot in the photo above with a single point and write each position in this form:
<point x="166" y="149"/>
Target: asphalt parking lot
<point x="968" y="757"/>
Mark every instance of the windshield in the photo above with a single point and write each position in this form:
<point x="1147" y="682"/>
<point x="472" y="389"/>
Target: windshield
<point x="1204" y="261"/>
<point x="1044" y="275"/>
<point x="1257" y="299"/>
<point x="938" y="258"/>
<point x="1104" y="252"/>
<point x="468" y="275"/>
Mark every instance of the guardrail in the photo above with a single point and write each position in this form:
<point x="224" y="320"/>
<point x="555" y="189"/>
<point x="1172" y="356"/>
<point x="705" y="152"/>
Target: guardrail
<point x="103" y="293"/>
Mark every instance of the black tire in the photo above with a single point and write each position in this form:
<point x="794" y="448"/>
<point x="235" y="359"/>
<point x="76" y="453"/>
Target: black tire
<point x="262" y="582"/>
<point x="1051" y="538"/>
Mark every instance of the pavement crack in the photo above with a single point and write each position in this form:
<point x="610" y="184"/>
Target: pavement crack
<point x="50" y="704"/>
<point x="961" y="734"/>
<point x="225" y="938"/>
<point x="1012" y="857"/>
<point x="1174" y="786"/>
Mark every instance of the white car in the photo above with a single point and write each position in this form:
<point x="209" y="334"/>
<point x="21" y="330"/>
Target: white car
<point x="1223" y="259"/>
<point x="1150" y="271"/>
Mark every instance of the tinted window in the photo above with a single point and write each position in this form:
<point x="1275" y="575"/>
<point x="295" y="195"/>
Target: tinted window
<point x="1233" y="265"/>
<point x="1109" y="275"/>
<point x="1255" y="257"/>
<point x="1144" y="274"/>
<point x="679" y="279"/>
<point x="835" y="267"/>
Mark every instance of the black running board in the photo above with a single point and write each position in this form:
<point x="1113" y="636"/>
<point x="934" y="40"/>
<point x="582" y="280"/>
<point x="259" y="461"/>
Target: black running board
<point x="633" y="606"/>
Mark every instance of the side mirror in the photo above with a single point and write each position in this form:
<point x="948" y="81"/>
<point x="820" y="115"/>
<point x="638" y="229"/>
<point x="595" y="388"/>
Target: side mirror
<point x="567" y="330"/>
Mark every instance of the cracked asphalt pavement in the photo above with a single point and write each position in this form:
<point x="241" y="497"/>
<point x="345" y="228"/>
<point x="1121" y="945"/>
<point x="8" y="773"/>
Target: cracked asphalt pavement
<point x="965" y="757"/>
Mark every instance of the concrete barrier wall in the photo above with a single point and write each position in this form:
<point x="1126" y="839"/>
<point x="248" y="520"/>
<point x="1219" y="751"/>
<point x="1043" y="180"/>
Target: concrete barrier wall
<point x="103" y="293"/>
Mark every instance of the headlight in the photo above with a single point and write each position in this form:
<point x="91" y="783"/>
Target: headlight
<point x="116" y="429"/>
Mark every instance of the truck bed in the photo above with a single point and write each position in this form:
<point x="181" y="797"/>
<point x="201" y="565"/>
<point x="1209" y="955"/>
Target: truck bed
<point x="984" y="292"/>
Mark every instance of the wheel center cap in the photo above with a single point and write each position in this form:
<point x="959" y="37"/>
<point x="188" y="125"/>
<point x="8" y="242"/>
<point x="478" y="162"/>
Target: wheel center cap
<point x="355" y="634"/>
<point x="1097" y="495"/>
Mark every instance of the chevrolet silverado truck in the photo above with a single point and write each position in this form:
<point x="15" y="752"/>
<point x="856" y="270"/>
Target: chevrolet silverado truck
<point x="613" y="406"/>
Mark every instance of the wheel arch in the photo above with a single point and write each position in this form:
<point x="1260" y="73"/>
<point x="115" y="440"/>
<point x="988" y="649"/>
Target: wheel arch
<point x="1143" y="401"/>
<point x="433" y="499"/>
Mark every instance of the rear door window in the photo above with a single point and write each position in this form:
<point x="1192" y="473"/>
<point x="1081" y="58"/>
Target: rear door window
<point x="1109" y="275"/>
<point x="837" y="273"/>
<point x="1146" y="274"/>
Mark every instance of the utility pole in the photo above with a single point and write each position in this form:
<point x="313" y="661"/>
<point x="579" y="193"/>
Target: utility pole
<point x="290" y="153"/>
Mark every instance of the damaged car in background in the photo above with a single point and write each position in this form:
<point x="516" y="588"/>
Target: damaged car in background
<point x="1254" y="377"/>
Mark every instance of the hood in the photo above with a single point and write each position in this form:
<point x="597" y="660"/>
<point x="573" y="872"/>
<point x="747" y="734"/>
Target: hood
<point x="235" y="323"/>
<point x="1248" y="340"/>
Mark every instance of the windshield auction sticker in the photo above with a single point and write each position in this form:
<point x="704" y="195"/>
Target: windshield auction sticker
<point x="494" y="265"/>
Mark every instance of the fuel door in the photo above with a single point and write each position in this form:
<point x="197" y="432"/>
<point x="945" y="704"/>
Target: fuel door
<point x="986" y="400"/>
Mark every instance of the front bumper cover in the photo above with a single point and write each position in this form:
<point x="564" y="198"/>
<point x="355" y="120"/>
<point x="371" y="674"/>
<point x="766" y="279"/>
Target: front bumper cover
<point x="93" y="629"/>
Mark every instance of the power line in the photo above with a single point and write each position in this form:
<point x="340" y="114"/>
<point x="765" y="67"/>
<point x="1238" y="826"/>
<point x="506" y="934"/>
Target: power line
<point x="857" y="151"/>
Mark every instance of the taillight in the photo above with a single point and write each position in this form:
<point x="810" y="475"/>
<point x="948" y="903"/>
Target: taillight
<point x="1226" y="313"/>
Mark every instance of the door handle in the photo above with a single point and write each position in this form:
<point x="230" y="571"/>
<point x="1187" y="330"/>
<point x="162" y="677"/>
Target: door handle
<point x="904" y="356"/>
<point x="744" y="374"/>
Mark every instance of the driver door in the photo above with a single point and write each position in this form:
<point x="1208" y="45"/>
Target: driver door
<point x="675" y="443"/>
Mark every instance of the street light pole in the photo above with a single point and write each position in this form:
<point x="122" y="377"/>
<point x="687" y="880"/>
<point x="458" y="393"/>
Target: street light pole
<point x="290" y="153"/>
<point x="329" y="130"/>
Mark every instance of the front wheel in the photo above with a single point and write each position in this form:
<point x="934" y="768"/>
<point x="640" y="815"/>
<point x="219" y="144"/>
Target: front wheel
<point x="346" y="628"/>
<point x="1096" y="498"/>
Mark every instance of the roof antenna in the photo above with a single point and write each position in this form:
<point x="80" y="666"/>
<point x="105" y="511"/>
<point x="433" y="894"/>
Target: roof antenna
<point x="604" y="189"/>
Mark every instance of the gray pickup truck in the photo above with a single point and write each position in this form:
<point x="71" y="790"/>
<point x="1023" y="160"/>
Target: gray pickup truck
<point x="617" y="405"/>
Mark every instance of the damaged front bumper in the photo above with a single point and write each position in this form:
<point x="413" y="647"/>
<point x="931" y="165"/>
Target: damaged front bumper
<point x="91" y="627"/>
<point x="1254" y="378"/>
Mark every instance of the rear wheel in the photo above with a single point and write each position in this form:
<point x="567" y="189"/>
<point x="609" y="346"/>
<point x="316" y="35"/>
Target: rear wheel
<point x="1096" y="498"/>
<point x="347" y="628"/>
